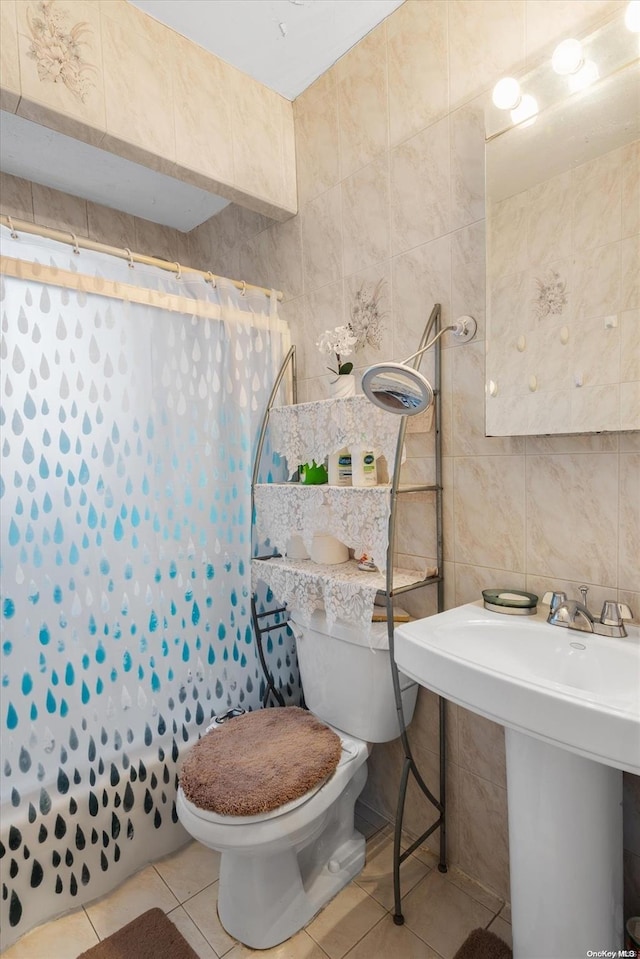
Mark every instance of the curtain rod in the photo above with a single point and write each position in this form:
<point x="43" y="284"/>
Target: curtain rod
<point x="61" y="236"/>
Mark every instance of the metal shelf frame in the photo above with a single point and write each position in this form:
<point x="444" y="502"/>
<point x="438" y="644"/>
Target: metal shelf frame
<point x="409" y="767"/>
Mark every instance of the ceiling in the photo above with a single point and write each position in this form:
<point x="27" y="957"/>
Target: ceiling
<point x="284" y="44"/>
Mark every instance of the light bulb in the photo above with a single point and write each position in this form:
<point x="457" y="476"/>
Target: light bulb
<point x="527" y="109"/>
<point x="587" y="75"/>
<point x="506" y="93"/>
<point x="567" y="57"/>
<point x="632" y="16"/>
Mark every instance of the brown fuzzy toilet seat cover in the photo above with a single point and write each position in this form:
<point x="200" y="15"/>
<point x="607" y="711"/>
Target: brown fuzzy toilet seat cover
<point x="259" y="761"/>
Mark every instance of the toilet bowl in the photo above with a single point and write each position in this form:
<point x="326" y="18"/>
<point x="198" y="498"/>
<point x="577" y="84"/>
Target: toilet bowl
<point x="278" y="869"/>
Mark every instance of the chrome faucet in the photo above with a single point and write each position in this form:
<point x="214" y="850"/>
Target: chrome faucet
<point x="575" y="614"/>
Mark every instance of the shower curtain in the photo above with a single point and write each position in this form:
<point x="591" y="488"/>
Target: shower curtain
<point x="130" y="404"/>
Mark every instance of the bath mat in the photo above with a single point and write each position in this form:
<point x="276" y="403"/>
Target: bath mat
<point x="482" y="944"/>
<point x="259" y="761"/>
<point x="150" y="936"/>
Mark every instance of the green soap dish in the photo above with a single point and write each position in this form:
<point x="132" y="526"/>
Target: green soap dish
<point x="514" y="602"/>
<point x="313" y="475"/>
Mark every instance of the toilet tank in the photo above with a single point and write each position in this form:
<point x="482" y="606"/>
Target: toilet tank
<point x="346" y="677"/>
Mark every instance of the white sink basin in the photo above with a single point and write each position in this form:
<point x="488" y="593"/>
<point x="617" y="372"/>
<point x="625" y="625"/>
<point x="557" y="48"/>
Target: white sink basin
<point x="576" y="690"/>
<point x="570" y="702"/>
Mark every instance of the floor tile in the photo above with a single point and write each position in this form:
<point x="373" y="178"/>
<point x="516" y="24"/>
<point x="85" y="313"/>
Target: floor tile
<point x="388" y="941"/>
<point x="345" y="920"/>
<point x="442" y="914"/>
<point x="143" y="891"/>
<point x="191" y="933"/>
<point x="63" y="938"/>
<point x="188" y="871"/>
<point x="377" y="876"/>
<point x="502" y="929"/>
<point x="300" y="946"/>
<point x="204" y="912"/>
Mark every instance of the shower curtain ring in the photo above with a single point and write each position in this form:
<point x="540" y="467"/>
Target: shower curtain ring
<point x="178" y="270"/>
<point x="14" y="235"/>
<point x="76" y="248"/>
<point x="129" y="257"/>
<point x="243" y="291"/>
<point x="211" y="279"/>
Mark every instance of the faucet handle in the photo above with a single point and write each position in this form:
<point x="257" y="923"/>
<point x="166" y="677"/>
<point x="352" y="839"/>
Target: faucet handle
<point x="613" y="613"/>
<point x="554" y="600"/>
<point x="583" y="592"/>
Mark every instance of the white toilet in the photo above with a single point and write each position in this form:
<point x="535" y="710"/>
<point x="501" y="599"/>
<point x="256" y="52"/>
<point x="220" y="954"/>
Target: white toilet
<point x="278" y="869"/>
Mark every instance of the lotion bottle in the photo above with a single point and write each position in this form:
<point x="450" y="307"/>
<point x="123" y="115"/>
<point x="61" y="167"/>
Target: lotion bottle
<point x="363" y="468"/>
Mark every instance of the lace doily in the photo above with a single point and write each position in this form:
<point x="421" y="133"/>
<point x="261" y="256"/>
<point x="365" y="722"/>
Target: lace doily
<point x="311" y="431"/>
<point x="344" y="592"/>
<point x="357" y="516"/>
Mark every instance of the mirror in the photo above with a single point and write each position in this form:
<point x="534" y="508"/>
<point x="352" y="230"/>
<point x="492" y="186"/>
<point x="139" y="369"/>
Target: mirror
<point x="397" y="388"/>
<point x="563" y="247"/>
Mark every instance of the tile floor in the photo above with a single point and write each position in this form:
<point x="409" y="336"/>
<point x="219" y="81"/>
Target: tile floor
<point x="439" y="910"/>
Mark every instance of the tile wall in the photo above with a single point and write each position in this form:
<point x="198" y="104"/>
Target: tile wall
<point x="135" y="87"/>
<point x="390" y="152"/>
<point x="390" y="159"/>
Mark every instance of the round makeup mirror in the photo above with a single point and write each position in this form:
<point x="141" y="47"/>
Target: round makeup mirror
<point x="397" y="388"/>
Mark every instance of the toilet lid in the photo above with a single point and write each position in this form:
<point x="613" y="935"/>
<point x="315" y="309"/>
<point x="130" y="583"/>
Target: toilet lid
<point x="259" y="762"/>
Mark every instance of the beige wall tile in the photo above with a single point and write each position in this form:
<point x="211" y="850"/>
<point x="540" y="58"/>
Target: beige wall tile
<point x="485" y="41"/>
<point x="572" y="509"/>
<point x="202" y="86"/>
<point x="71" y="82"/>
<point x="468" y="409"/>
<point x="484" y="844"/>
<point x="629" y="559"/>
<point x="361" y="77"/>
<point x="365" y="216"/>
<point x="317" y="145"/>
<point x="363" y="285"/>
<point x="257" y="138"/>
<point x="156" y="240"/>
<point x="489" y="511"/>
<point x="471" y="580"/>
<point x="324" y="311"/>
<point x="322" y="239"/>
<point x="481" y="747"/>
<point x="9" y="64"/>
<point x="59" y="210"/>
<point x="466" y="127"/>
<point x="630" y="273"/>
<point x="420" y="188"/>
<point x="15" y="197"/>
<point x="468" y="278"/>
<point x="139" y="91"/>
<point x="631" y="189"/>
<point x="418" y="67"/>
<point x="420" y="278"/>
<point x="285" y="256"/>
<point x="111" y="226"/>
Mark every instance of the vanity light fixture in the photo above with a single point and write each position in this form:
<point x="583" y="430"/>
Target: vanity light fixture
<point x="567" y="57"/>
<point x="632" y="16"/>
<point x="506" y="94"/>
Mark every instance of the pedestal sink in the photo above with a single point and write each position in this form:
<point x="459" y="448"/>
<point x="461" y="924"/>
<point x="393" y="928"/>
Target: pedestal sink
<point x="570" y="704"/>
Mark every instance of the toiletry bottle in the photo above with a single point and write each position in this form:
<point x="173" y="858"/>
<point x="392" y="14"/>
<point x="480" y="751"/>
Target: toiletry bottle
<point x="344" y="467"/>
<point x="363" y="468"/>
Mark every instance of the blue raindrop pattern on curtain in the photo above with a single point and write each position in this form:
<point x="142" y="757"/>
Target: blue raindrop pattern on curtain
<point x="126" y="545"/>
